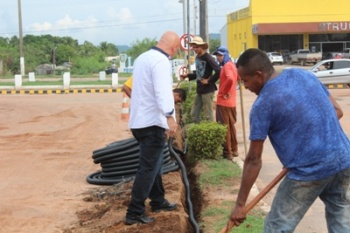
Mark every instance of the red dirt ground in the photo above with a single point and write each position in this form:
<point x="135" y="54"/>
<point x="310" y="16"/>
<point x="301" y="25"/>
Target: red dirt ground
<point x="45" y="156"/>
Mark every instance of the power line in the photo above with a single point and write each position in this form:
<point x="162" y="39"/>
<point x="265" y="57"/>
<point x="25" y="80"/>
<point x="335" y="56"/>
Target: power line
<point x="91" y="27"/>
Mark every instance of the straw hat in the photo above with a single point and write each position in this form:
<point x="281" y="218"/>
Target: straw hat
<point x="197" y="40"/>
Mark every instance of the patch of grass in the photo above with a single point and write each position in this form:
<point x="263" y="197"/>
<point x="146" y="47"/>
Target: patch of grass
<point x="214" y="217"/>
<point x="217" y="172"/>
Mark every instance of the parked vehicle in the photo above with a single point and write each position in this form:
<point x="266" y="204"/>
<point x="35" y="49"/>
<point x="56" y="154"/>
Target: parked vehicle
<point x="286" y="55"/>
<point x="110" y="70"/>
<point x="275" y="58"/>
<point x="346" y="53"/>
<point x="331" y="55"/>
<point x="332" y="71"/>
<point x="304" y="56"/>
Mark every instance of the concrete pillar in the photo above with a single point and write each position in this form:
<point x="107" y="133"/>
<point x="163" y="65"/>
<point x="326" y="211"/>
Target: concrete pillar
<point x="18" y="81"/>
<point x="102" y="75"/>
<point x="31" y="76"/>
<point x="66" y="80"/>
<point x="114" y="80"/>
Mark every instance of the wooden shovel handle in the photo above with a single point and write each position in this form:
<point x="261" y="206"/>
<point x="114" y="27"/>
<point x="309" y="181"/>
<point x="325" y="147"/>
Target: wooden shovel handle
<point x="178" y="83"/>
<point x="258" y="198"/>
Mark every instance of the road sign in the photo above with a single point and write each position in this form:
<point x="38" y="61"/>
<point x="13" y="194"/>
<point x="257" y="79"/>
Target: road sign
<point x="182" y="70"/>
<point x="184" y="40"/>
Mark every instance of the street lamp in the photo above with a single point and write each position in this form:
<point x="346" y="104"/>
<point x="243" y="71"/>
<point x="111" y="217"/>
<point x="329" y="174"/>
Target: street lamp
<point x="184" y="15"/>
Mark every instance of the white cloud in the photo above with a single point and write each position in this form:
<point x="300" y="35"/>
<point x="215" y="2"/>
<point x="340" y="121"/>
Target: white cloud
<point x="67" y="22"/>
<point x="116" y="21"/>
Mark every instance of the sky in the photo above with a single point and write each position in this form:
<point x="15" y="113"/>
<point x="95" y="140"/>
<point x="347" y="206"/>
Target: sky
<point x="121" y="22"/>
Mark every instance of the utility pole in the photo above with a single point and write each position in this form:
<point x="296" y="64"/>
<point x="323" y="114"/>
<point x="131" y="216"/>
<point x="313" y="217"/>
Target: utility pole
<point x="194" y="17"/>
<point x="203" y="20"/>
<point x="21" y="57"/>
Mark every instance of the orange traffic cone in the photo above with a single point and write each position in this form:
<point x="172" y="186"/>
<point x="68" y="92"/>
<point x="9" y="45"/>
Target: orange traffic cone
<point x="125" y="108"/>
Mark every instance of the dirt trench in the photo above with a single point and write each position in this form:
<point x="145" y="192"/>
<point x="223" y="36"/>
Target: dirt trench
<point x="106" y="205"/>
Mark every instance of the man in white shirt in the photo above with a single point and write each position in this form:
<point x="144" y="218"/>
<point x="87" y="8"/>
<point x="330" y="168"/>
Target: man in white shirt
<point x="151" y="114"/>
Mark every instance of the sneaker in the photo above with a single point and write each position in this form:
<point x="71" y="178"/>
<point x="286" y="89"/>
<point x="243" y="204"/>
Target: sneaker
<point x="166" y="206"/>
<point x="132" y="219"/>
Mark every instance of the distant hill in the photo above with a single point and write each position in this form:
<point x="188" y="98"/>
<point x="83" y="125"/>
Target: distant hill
<point x="214" y="36"/>
<point x="123" y="48"/>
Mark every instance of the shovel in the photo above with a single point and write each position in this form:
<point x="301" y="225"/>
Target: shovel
<point x="256" y="200"/>
<point x="178" y="83"/>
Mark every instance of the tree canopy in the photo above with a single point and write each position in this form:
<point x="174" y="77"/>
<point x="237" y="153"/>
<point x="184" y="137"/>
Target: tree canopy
<point x="85" y="58"/>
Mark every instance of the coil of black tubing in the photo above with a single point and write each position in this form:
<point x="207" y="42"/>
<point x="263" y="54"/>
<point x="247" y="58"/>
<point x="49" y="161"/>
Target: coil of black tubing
<point x="123" y="155"/>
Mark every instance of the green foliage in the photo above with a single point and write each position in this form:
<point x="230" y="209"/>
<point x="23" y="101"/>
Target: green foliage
<point x="190" y="87"/>
<point x="139" y="47"/>
<point x="217" y="172"/>
<point x="108" y="48"/>
<point x="88" y="64"/>
<point x="205" y="141"/>
<point x="214" y="44"/>
<point x="48" y="49"/>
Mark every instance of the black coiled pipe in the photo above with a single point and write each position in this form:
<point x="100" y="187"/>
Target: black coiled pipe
<point x="120" y="160"/>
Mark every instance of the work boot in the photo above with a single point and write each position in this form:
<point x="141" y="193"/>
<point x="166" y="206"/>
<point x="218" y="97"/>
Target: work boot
<point x="132" y="219"/>
<point x="165" y="206"/>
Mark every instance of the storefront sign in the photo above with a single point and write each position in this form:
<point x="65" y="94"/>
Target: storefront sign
<point x="293" y="28"/>
<point x="334" y="27"/>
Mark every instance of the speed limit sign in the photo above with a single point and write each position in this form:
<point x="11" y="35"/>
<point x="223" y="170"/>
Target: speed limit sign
<point x="185" y="39"/>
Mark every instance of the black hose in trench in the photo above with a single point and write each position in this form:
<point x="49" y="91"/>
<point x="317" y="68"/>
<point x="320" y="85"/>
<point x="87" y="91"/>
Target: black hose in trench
<point x="119" y="162"/>
<point x="187" y="185"/>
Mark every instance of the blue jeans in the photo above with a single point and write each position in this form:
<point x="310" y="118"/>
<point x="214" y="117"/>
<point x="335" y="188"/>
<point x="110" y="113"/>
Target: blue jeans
<point x="205" y="102"/>
<point x="294" y="198"/>
<point x="148" y="180"/>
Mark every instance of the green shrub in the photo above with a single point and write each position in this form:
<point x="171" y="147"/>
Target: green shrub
<point x="187" y="105"/>
<point x="205" y="140"/>
<point x="190" y="87"/>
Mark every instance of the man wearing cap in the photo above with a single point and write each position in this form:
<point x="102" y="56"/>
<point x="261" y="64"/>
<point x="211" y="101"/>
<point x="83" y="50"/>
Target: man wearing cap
<point x="206" y="78"/>
<point x="226" y="100"/>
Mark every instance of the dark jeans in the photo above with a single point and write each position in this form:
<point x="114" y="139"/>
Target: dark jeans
<point x="148" y="180"/>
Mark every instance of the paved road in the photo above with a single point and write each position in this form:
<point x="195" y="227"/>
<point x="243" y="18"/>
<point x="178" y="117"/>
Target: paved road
<point x="314" y="221"/>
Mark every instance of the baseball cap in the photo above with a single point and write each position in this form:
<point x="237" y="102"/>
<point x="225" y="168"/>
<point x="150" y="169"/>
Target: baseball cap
<point x="221" y="50"/>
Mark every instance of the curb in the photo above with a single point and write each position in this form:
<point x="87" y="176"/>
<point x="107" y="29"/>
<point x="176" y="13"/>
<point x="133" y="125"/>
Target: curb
<point x="62" y="91"/>
<point x="254" y="191"/>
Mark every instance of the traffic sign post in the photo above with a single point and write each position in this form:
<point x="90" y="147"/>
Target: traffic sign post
<point x="185" y="39"/>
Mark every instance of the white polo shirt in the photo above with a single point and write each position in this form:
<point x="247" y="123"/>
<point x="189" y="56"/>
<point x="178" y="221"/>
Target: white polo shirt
<point x="152" y="96"/>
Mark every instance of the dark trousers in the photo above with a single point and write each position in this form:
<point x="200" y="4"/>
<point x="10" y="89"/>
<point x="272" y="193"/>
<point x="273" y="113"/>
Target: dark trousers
<point x="148" y="180"/>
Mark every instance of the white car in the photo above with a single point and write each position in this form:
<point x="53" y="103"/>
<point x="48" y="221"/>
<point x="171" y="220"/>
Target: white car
<point x="332" y="71"/>
<point x="275" y="57"/>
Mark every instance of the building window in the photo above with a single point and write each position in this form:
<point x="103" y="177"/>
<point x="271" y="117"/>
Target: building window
<point x="271" y="43"/>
